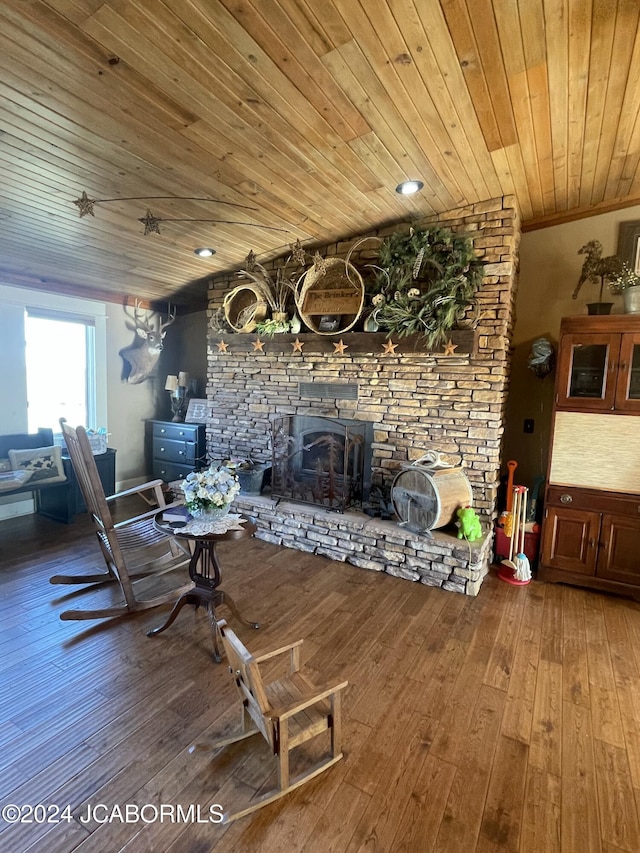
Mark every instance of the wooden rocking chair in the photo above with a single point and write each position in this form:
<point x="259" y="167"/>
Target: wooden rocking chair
<point x="287" y="713"/>
<point x="149" y="567"/>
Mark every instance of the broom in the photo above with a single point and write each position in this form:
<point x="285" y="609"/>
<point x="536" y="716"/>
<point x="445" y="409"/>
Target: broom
<point x="523" y="568"/>
<point x="508" y="568"/>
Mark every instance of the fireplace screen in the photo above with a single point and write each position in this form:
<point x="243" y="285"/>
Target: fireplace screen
<point x="321" y="461"/>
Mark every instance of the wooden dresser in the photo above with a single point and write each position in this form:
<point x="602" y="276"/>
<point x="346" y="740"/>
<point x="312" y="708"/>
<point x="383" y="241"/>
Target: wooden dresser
<point x="591" y="527"/>
<point x="174" y="449"/>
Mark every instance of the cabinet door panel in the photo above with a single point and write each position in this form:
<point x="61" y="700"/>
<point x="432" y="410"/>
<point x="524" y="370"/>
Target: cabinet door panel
<point x="628" y="386"/>
<point x="569" y="540"/>
<point x="586" y="372"/>
<point x="618" y="559"/>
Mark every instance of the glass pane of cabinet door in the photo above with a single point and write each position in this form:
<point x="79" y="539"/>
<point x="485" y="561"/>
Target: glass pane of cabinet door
<point x="587" y="365"/>
<point x="628" y="388"/>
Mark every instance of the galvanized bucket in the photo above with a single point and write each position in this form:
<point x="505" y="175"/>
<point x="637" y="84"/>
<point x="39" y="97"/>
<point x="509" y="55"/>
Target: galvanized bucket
<point x="631" y="297"/>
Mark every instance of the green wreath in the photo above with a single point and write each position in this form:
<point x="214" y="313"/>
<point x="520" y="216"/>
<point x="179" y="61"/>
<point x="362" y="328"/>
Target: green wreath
<point x="424" y="283"/>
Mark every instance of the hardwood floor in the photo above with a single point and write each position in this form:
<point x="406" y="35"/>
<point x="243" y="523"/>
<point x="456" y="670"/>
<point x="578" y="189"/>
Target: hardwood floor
<point x="508" y="722"/>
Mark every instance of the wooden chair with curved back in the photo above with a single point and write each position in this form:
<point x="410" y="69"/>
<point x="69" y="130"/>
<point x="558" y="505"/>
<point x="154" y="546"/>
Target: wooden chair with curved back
<point x="286" y="712"/>
<point x="149" y="567"/>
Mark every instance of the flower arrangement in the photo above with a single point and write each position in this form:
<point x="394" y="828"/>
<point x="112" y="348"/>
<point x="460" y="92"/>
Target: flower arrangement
<point x="623" y="280"/>
<point x="213" y="488"/>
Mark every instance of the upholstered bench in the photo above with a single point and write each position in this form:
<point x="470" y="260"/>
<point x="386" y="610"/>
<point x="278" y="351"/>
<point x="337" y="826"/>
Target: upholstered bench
<point x="29" y="462"/>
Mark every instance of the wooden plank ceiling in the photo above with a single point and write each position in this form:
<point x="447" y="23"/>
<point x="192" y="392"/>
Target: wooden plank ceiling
<point x="298" y="117"/>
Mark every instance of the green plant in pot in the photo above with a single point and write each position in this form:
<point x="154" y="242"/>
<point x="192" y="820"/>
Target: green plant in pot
<point x="425" y="282"/>
<point x="627" y="283"/>
<point x="600" y="271"/>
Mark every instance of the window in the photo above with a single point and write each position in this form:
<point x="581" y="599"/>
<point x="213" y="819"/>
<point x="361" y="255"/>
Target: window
<point x="61" y="375"/>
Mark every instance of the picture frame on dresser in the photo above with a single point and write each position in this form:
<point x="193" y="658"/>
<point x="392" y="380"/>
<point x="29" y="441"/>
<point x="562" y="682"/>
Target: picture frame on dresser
<point x="197" y="411"/>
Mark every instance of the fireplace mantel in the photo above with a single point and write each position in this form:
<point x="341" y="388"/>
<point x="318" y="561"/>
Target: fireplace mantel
<point x="459" y="342"/>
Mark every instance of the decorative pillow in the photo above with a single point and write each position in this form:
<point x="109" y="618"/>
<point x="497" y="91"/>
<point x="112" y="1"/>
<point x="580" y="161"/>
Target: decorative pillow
<point x="5" y="465"/>
<point x="44" y="463"/>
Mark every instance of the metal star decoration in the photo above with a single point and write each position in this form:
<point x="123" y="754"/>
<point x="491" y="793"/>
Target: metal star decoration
<point x="297" y="345"/>
<point x="151" y="223"/>
<point x="85" y="205"/>
<point x="389" y="348"/>
<point x="450" y="347"/>
<point x="258" y="345"/>
<point x="340" y="347"/>
<point x="250" y="263"/>
<point x="222" y="346"/>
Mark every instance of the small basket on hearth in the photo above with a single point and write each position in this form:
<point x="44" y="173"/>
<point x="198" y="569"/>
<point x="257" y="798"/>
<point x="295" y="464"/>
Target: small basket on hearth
<point x="244" y="307"/>
<point x="331" y="297"/>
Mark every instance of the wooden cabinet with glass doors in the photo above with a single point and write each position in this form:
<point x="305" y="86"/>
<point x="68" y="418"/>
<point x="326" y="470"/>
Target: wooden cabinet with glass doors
<point x="599" y="364"/>
<point x="591" y="528"/>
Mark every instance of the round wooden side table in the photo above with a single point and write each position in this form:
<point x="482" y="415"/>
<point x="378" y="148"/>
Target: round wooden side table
<point x="206" y="574"/>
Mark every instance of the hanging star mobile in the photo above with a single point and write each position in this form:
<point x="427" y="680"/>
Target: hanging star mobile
<point x="85" y="204"/>
<point x="151" y="223"/>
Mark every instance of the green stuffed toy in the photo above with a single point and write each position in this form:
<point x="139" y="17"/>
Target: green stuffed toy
<point x="469" y="524"/>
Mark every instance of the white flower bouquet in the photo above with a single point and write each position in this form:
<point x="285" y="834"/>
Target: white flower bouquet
<point x="213" y="488"/>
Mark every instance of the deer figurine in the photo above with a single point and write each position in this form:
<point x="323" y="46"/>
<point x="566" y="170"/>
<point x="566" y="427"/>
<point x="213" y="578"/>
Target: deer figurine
<point x="142" y="356"/>
<point x="596" y="268"/>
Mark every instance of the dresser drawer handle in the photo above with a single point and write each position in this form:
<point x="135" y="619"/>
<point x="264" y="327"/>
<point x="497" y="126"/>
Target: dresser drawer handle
<point x="162" y="431"/>
<point x="566" y="499"/>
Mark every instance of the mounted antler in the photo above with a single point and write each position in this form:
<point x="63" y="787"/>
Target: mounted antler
<point x="143" y="357"/>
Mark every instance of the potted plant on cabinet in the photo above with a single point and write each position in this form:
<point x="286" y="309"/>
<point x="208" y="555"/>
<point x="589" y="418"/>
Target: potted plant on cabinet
<point x="627" y="283"/>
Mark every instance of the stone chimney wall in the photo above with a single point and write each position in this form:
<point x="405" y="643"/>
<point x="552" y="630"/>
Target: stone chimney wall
<point x="450" y="403"/>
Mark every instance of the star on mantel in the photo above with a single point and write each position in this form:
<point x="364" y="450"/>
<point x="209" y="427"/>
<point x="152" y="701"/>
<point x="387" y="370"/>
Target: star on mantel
<point x="297" y="345"/>
<point x="340" y="347"/>
<point x="258" y="345"/>
<point x="85" y="205"/>
<point x="450" y="347"/>
<point x="151" y="223"/>
<point x="389" y="348"/>
<point x="222" y="346"/>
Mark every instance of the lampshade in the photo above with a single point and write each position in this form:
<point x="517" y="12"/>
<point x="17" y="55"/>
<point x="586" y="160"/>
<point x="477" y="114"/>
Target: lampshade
<point x="171" y="384"/>
<point x="183" y="379"/>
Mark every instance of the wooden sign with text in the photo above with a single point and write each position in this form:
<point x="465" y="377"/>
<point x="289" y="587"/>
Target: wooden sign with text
<point x="318" y="302"/>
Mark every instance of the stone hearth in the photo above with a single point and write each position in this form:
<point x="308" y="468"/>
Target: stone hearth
<point x="370" y="543"/>
<point x="415" y="401"/>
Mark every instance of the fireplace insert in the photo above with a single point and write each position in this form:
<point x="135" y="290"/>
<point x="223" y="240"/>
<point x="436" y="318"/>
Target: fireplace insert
<point x="321" y="461"/>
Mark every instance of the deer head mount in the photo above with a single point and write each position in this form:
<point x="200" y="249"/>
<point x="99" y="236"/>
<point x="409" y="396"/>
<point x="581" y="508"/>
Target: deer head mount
<point x="142" y="356"/>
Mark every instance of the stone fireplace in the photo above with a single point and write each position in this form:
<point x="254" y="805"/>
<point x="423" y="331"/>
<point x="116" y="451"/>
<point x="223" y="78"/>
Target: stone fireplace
<point x="411" y="402"/>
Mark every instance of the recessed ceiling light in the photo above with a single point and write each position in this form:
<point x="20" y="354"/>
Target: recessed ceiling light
<point x="409" y="187"/>
<point x="204" y="253"/>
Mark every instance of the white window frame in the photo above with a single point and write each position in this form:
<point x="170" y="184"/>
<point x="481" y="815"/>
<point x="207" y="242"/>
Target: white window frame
<point x="14" y="302"/>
